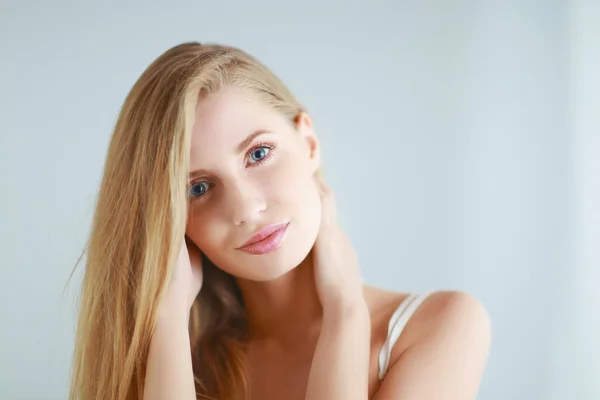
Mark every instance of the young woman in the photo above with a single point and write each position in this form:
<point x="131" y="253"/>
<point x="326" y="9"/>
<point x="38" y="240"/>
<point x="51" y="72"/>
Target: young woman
<point x="216" y="268"/>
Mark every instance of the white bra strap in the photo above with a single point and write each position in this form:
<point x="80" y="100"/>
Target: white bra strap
<point x="397" y="323"/>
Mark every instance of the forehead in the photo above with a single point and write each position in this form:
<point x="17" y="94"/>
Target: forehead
<point x="226" y="118"/>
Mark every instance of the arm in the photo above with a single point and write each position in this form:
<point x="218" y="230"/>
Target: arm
<point x="340" y="366"/>
<point x="448" y="355"/>
<point x="169" y="370"/>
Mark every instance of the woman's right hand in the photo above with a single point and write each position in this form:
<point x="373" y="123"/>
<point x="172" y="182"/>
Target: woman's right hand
<point x="186" y="281"/>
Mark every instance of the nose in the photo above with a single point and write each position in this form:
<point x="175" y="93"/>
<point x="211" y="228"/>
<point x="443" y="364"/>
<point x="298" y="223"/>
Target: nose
<point x="246" y="203"/>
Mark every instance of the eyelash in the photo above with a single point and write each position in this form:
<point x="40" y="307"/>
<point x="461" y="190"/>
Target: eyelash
<point x="269" y="146"/>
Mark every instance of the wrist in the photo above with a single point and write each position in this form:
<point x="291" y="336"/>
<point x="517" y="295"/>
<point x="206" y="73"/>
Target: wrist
<point x="342" y="307"/>
<point x="172" y="323"/>
<point x="173" y="309"/>
<point x="347" y="319"/>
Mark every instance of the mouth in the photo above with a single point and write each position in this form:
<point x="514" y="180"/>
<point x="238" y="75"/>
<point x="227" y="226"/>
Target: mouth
<point x="266" y="240"/>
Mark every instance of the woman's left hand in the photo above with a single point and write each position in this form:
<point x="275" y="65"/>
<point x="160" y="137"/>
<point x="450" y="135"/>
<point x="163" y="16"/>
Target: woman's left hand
<point x="337" y="274"/>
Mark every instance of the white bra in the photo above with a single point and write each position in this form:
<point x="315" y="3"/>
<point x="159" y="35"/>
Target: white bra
<point x="397" y="323"/>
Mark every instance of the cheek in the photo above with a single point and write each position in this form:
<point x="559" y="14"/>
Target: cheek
<point x="292" y="192"/>
<point x="205" y="233"/>
<point x="289" y="183"/>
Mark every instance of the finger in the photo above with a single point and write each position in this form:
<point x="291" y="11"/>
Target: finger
<point x="327" y="203"/>
<point x="322" y="187"/>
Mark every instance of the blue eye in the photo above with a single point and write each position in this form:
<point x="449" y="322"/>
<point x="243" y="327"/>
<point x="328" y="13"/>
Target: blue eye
<point x="258" y="154"/>
<point x="198" y="189"/>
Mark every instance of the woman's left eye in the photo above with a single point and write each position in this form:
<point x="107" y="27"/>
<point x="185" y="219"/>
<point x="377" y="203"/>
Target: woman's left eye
<point x="258" y="154"/>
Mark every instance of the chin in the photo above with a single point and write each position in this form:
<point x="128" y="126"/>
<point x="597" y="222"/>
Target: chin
<point x="272" y="265"/>
<point x="293" y="250"/>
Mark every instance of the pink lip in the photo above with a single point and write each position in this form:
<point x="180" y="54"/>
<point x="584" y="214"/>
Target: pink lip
<point x="266" y="240"/>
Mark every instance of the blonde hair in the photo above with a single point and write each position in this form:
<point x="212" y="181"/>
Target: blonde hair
<point x="139" y="220"/>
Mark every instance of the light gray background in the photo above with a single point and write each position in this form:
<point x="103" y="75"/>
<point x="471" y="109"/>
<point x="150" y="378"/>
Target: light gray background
<point x="461" y="138"/>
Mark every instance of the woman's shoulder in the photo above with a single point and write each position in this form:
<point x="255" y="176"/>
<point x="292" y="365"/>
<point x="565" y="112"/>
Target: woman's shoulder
<point x="427" y="316"/>
<point x="432" y="305"/>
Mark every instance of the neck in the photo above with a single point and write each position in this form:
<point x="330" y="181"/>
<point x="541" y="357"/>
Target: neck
<point x="286" y="310"/>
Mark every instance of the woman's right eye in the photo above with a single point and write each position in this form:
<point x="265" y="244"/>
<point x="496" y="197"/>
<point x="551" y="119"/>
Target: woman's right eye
<point x="198" y="189"/>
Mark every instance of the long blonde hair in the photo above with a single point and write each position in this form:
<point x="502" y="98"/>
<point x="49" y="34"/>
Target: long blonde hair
<point x="139" y="220"/>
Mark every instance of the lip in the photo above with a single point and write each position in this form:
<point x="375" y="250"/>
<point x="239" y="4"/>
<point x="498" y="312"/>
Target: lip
<point x="267" y="239"/>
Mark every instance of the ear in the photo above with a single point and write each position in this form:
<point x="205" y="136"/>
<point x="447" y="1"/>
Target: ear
<point x="304" y="126"/>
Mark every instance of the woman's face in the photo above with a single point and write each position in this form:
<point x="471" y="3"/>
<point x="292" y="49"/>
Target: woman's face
<point x="252" y="169"/>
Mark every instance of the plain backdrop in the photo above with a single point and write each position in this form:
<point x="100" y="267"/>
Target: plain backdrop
<point x="461" y="139"/>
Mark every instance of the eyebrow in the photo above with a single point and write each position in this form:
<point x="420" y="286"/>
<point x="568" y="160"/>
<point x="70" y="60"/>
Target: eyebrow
<point x="240" y="147"/>
<point x="246" y="142"/>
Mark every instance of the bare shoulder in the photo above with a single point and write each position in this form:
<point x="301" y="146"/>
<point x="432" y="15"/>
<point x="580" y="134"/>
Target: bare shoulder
<point x="446" y="313"/>
<point x="447" y="339"/>
<point x="444" y="316"/>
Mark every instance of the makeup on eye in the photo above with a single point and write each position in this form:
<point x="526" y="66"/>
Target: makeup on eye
<point x="260" y="153"/>
<point x="243" y="145"/>
<point x="256" y="156"/>
<point x="203" y="188"/>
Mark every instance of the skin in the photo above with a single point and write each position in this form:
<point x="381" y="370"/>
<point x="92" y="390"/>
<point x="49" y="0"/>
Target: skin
<point x="317" y="330"/>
